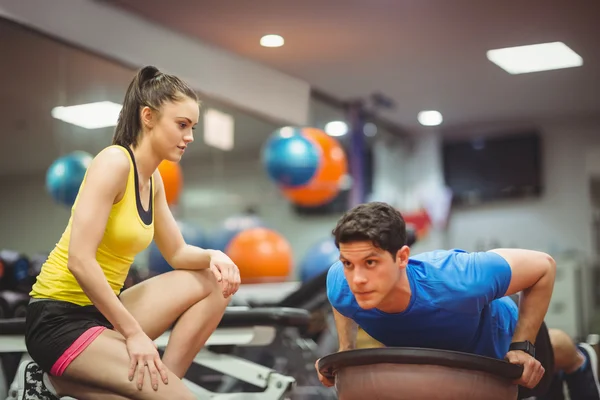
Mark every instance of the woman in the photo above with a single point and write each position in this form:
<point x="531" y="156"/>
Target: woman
<point x="86" y="340"/>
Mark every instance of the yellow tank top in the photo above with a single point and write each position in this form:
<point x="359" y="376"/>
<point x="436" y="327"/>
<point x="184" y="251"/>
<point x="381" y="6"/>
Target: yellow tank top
<point x="129" y="230"/>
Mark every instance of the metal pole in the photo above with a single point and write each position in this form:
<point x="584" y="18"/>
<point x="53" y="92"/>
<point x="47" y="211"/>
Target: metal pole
<point x="357" y="153"/>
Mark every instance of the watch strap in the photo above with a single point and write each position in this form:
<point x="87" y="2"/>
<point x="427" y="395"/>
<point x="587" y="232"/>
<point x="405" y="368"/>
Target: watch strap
<point x="525" y="346"/>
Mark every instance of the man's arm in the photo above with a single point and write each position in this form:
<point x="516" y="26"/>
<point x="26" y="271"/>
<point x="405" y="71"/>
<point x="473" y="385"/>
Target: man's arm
<point x="347" y="331"/>
<point x="533" y="274"/>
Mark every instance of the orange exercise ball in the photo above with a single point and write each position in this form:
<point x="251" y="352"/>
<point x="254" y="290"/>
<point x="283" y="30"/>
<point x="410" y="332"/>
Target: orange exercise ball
<point x="261" y="254"/>
<point x="333" y="167"/>
<point x="172" y="177"/>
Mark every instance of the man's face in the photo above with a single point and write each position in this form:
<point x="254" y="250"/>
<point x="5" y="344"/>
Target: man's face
<point x="371" y="272"/>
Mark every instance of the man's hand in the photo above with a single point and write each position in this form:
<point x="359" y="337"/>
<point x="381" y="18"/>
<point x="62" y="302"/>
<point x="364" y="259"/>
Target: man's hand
<point x="326" y="382"/>
<point x="532" y="368"/>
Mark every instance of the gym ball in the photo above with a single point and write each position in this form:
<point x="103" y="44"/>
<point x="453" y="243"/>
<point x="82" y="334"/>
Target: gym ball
<point x="419" y="374"/>
<point x="261" y="255"/>
<point x="332" y="168"/>
<point x="192" y="234"/>
<point x="172" y="177"/>
<point x="319" y="257"/>
<point x="230" y="227"/>
<point x="290" y="158"/>
<point x="65" y="175"/>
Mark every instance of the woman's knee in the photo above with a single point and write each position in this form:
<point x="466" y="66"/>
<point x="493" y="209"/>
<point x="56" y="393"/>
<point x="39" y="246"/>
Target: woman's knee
<point x="213" y="287"/>
<point x="210" y="280"/>
<point x="219" y="299"/>
<point x="196" y="283"/>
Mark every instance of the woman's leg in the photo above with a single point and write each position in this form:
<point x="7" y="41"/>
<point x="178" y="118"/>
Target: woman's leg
<point x="192" y="300"/>
<point x="85" y="392"/>
<point x="105" y="364"/>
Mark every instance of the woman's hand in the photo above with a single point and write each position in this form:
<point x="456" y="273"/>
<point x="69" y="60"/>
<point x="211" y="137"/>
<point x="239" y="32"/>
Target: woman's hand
<point x="226" y="272"/>
<point x="143" y="354"/>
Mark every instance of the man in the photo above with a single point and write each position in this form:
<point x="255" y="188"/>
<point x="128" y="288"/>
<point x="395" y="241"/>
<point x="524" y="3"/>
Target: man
<point x="453" y="300"/>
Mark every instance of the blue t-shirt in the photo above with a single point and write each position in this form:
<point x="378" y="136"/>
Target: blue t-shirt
<point x="457" y="303"/>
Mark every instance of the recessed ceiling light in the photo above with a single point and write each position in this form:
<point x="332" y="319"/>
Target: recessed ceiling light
<point x="336" y="128"/>
<point x="430" y="118"/>
<point x="370" y="129"/>
<point x="90" y="116"/>
<point x="535" y="58"/>
<point x="271" y="41"/>
<point x="286" y="132"/>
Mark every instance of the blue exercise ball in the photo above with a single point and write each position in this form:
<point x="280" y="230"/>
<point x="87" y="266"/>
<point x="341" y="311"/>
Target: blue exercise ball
<point x="192" y="234"/>
<point x="65" y="175"/>
<point x="290" y="158"/>
<point x="230" y="227"/>
<point x="319" y="257"/>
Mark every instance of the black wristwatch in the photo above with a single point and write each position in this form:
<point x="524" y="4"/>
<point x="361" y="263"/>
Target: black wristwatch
<point x="525" y="346"/>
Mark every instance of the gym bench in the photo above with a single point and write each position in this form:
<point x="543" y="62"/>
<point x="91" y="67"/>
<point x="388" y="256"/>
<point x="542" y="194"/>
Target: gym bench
<point x="239" y="327"/>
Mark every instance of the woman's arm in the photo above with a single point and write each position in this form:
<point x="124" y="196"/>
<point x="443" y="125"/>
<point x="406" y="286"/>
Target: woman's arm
<point x="180" y="255"/>
<point x="106" y="180"/>
<point x="168" y="237"/>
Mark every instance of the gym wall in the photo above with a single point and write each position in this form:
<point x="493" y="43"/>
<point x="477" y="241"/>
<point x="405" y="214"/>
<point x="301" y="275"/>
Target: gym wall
<point x="30" y="221"/>
<point x="558" y="221"/>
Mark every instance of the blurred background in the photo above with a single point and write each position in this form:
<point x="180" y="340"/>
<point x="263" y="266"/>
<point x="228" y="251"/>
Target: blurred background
<point x="478" y="120"/>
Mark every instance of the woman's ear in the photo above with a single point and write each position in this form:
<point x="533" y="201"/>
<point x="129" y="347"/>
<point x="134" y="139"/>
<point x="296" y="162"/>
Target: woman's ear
<point x="148" y="117"/>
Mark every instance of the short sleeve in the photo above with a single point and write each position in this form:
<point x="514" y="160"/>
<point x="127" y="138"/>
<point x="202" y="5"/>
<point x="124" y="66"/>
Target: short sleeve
<point x="486" y="275"/>
<point x="338" y="291"/>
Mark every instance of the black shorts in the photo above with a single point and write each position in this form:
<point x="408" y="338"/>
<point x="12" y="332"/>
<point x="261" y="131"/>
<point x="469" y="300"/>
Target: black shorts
<point x="545" y="355"/>
<point x="56" y="332"/>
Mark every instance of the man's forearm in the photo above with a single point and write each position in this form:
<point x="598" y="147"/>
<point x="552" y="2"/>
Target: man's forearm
<point x="533" y="305"/>
<point x="191" y="258"/>
<point x="347" y="330"/>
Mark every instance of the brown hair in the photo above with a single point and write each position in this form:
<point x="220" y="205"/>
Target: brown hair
<point x="149" y="88"/>
<point x="377" y="222"/>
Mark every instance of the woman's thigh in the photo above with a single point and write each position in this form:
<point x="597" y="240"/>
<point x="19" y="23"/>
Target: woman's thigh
<point x="105" y="364"/>
<point x="56" y="331"/>
<point x="158" y="302"/>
